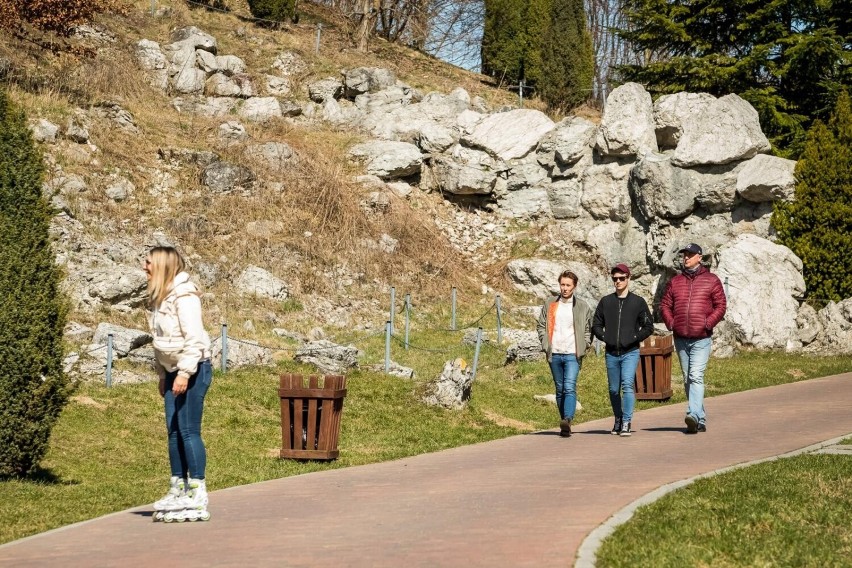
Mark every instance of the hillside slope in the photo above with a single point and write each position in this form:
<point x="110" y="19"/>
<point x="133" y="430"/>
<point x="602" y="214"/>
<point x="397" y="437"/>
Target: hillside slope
<point x="126" y="171"/>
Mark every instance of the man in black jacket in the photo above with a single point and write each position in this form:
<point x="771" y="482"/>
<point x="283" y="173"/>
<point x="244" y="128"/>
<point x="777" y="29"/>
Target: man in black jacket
<point x="622" y="320"/>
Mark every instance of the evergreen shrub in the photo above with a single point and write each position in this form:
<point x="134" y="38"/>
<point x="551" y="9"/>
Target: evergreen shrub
<point x="817" y="224"/>
<point x="275" y="10"/>
<point x="33" y="387"/>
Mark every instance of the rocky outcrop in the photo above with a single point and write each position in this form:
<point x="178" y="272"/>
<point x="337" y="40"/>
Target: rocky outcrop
<point x="765" y="284"/>
<point x="627" y="126"/>
<point x="451" y="389"/>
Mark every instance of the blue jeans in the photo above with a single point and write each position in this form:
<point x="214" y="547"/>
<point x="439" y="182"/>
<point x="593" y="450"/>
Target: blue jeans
<point x="565" y="369"/>
<point x="187" y="455"/>
<point x="621" y="374"/>
<point x="693" y="355"/>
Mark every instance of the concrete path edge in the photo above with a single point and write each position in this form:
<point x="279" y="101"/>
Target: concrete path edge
<point x="588" y="551"/>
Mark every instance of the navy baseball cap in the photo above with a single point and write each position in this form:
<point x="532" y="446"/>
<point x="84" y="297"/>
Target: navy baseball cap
<point x="691" y="248"/>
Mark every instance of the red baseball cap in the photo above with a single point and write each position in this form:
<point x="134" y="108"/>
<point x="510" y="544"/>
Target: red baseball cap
<point x="620" y="267"/>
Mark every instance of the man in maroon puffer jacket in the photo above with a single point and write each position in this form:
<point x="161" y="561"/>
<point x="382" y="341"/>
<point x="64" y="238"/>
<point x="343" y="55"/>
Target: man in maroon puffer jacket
<point x="692" y="305"/>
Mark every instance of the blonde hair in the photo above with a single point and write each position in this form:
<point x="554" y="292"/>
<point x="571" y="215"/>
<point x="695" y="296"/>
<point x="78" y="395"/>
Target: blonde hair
<point x="166" y="263"/>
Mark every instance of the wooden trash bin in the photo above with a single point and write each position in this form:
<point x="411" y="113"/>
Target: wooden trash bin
<point x="310" y="416"/>
<point x="654" y="373"/>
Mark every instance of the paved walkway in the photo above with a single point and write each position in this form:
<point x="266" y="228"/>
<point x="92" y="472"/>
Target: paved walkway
<point x="523" y="501"/>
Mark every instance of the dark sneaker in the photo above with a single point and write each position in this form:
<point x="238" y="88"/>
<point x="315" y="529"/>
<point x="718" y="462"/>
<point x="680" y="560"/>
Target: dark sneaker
<point x="565" y="428"/>
<point x="625" y="430"/>
<point x="691" y="424"/>
<point x="616" y="428"/>
<point x="702" y="427"/>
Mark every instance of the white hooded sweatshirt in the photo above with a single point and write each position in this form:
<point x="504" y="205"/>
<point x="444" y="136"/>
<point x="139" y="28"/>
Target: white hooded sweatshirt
<point x="180" y="340"/>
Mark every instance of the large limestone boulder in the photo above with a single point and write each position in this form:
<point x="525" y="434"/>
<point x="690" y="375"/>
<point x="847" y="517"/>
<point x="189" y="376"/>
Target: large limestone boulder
<point x="366" y="80"/>
<point x="240" y="354"/>
<point x="328" y="357"/>
<point x="225" y="177"/>
<point x="222" y="85"/>
<point x="658" y="189"/>
<point x="726" y="130"/>
<point x="205" y="106"/>
<point x="114" y="285"/>
<point x="540" y="278"/>
<point x="525" y="204"/>
<point x="618" y="242"/>
<point x="260" y="109"/>
<point x="451" y="389"/>
<point x="463" y="171"/>
<point x="627" y="125"/>
<point x="195" y="38"/>
<point x="124" y="339"/>
<point x="259" y="282"/>
<point x="765" y="282"/>
<point x="388" y="159"/>
<point x="189" y="80"/>
<point x="324" y="89"/>
<point x="565" y="196"/>
<point x="149" y="56"/>
<point x="605" y="191"/>
<point x="836" y="321"/>
<point x="570" y="140"/>
<point x="230" y="65"/>
<point x="508" y="135"/>
<point x="672" y="111"/>
<point x="524" y="346"/>
<point x="767" y="178"/>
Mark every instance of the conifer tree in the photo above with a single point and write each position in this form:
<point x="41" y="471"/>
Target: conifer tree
<point x="512" y="39"/>
<point x="568" y="61"/>
<point x="274" y="10"/>
<point x="788" y="58"/>
<point x="33" y="388"/>
<point x="817" y="224"/>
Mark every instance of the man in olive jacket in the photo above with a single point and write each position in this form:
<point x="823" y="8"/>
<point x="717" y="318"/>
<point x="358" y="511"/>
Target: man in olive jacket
<point x="622" y="320"/>
<point x="692" y="305"/>
<point x="564" y="329"/>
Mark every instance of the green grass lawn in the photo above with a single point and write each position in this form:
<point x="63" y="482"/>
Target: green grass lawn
<point x="788" y="512"/>
<point x="108" y="450"/>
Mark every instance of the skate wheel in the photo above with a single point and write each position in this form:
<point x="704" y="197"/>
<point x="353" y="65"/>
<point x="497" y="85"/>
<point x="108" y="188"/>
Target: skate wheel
<point x="205" y="516"/>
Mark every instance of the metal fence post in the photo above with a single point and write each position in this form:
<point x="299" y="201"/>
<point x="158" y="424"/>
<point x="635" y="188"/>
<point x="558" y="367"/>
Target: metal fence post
<point x="387" y="345"/>
<point x="453" y="320"/>
<point x="392" y="306"/>
<point x="319" y="33"/>
<point x="499" y="322"/>
<point x="109" y="361"/>
<point x="224" y="347"/>
<point x="476" y="350"/>
<point x="521" y="91"/>
<point x="407" y="318"/>
<point x="153" y="8"/>
<point x="727" y="295"/>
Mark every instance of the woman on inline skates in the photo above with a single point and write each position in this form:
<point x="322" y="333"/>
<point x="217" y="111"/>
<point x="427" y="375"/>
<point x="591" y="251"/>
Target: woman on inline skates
<point x="182" y="361"/>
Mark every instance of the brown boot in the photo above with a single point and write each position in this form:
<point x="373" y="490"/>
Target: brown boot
<point x="565" y="428"/>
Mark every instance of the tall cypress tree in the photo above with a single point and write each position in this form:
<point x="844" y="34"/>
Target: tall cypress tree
<point x="33" y="388"/>
<point x="568" y="60"/>
<point x="512" y="39"/>
<point x="817" y="225"/>
<point x="788" y="58"/>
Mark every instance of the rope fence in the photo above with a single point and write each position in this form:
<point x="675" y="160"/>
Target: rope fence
<point x="224" y="339"/>
<point x="405" y="308"/>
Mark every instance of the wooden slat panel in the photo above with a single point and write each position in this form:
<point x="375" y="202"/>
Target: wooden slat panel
<point x="286" y="424"/>
<point x="311" y="393"/>
<point x="311" y="425"/>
